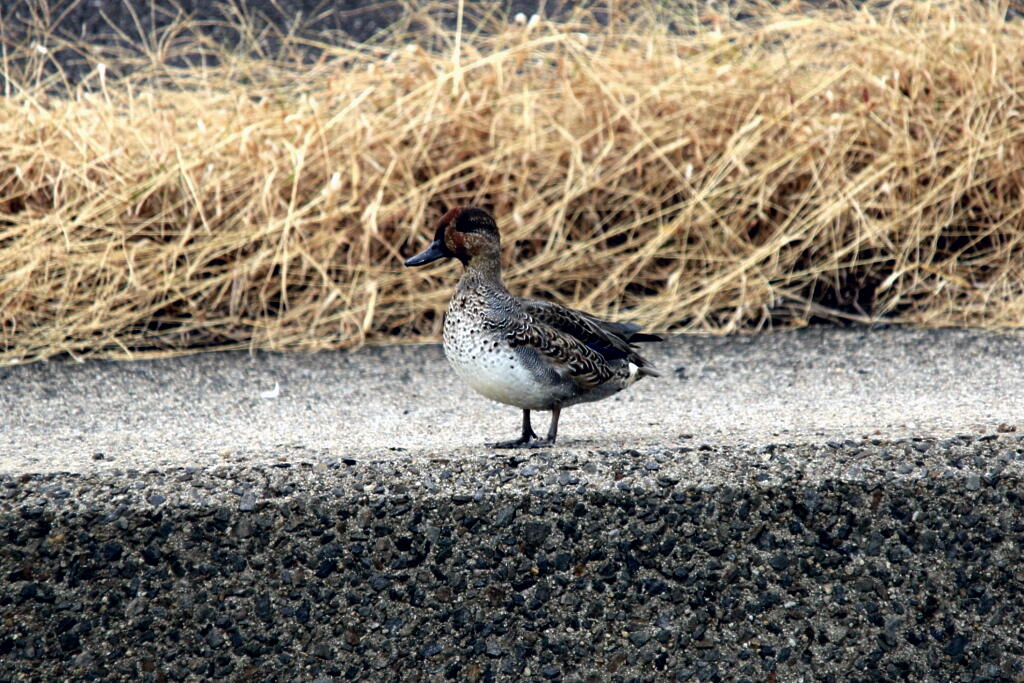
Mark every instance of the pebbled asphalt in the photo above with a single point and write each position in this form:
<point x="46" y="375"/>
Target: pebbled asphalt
<point x="806" y="386"/>
<point x="820" y="504"/>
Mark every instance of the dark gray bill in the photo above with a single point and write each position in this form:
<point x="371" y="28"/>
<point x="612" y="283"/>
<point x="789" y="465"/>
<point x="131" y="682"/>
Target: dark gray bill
<point x="435" y="251"/>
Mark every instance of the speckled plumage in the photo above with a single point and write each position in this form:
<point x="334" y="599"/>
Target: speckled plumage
<point x="534" y="355"/>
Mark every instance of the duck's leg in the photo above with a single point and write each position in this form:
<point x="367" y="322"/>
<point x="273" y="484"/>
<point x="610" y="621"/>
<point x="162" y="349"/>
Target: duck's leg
<point x="553" y="429"/>
<point x="526" y="440"/>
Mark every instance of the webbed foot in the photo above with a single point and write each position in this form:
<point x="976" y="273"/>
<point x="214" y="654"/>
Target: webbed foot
<point x="529" y="439"/>
<point x="533" y="442"/>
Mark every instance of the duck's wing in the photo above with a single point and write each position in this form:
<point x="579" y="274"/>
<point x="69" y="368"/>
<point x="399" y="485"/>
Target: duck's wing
<point x="566" y="354"/>
<point x="610" y="339"/>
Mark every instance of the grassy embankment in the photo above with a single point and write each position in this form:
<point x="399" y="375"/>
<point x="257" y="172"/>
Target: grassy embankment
<point x="840" y="164"/>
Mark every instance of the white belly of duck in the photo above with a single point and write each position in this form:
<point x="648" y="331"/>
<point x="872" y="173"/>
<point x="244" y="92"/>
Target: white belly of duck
<point x="493" y="369"/>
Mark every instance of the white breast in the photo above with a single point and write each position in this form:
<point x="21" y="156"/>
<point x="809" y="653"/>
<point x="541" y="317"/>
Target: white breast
<point x="492" y="370"/>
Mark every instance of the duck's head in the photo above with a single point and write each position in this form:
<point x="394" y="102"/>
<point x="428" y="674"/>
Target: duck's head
<point x="466" y="233"/>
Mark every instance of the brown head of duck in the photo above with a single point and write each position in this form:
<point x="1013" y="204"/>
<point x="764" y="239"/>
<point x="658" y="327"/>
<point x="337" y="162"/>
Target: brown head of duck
<point x="468" y="234"/>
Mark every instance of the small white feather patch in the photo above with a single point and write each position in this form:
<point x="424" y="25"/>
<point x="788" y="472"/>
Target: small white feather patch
<point x="273" y="393"/>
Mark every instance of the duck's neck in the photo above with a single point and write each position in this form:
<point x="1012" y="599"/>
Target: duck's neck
<point x="485" y="267"/>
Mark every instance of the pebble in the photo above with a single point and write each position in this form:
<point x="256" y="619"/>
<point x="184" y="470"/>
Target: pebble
<point x="247" y="503"/>
<point x="568" y="479"/>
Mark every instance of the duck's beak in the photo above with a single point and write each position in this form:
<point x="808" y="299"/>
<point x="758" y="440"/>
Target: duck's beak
<point x="435" y="251"/>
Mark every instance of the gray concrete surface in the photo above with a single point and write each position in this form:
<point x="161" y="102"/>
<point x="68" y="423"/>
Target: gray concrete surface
<point x="815" y="505"/>
<point x="807" y="386"/>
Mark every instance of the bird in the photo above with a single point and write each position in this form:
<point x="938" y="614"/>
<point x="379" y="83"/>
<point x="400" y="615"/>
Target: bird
<point x="533" y="354"/>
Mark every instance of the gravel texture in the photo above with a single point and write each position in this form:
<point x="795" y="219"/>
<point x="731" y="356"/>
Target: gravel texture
<point x="708" y="563"/>
<point x="790" y="547"/>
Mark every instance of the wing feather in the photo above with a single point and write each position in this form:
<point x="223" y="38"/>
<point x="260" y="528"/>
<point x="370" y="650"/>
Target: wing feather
<point x="586" y="367"/>
<point x="611" y="340"/>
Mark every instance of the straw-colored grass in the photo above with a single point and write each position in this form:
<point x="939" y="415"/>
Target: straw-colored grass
<point x="858" y="165"/>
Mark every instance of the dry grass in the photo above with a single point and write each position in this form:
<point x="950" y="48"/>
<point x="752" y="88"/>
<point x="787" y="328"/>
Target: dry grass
<point x="840" y="164"/>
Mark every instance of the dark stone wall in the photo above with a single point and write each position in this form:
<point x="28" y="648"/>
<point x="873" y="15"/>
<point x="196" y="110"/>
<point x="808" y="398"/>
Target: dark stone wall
<point x="497" y="569"/>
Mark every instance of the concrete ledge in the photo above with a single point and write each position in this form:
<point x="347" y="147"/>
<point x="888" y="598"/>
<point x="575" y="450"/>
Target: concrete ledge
<point x="845" y="561"/>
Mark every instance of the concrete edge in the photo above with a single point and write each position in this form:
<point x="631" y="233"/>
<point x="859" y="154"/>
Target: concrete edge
<point x="842" y="561"/>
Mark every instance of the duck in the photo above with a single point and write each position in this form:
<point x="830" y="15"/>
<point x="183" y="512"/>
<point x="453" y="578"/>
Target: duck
<point x="533" y="354"/>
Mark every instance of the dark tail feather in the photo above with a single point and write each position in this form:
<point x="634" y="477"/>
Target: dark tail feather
<point x="639" y="337"/>
<point x="627" y="331"/>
